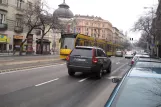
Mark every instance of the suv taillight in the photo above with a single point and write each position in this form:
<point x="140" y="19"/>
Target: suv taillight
<point x="68" y="58"/>
<point x="94" y="59"/>
<point x="132" y="62"/>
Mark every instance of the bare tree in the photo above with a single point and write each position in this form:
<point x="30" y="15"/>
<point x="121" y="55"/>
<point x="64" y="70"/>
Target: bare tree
<point x="31" y="21"/>
<point x="36" y="17"/>
<point x="48" y="22"/>
<point x="126" y="44"/>
<point x="142" y="41"/>
<point x="144" y="24"/>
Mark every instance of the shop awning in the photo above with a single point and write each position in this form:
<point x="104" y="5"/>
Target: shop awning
<point x="4" y="39"/>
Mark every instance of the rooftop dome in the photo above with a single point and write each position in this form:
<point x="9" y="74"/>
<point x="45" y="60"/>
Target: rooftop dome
<point x="63" y="11"/>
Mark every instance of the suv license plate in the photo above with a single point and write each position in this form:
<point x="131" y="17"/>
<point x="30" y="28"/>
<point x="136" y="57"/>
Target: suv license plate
<point x="80" y="59"/>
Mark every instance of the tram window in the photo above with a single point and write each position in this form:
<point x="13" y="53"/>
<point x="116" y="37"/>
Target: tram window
<point x="85" y="43"/>
<point x="101" y="45"/>
<point x="89" y="43"/>
<point x="104" y="47"/>
<point x="108" y="47"/>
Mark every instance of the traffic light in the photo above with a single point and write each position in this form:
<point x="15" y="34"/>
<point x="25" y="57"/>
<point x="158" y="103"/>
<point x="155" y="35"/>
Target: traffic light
<point x="131" y="39"/>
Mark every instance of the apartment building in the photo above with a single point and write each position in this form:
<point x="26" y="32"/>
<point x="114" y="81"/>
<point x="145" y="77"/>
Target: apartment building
<point x="116" y="37"/>
<point x="12" y="31"/>
<point x="93" y="26"/>
<point x="119" y="37"/>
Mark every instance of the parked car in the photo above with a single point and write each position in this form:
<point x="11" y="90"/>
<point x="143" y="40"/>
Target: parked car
<point x="137" y="56"/>
<point x="129" y="54"/>
<point x="119" y="54"/>
<point x="143" y="58"/>
<point x="140" y="87"/>
<point x="148" y="63"/>
<point x="88" y="59"/>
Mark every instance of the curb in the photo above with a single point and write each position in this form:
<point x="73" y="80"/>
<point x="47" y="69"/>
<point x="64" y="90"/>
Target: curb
<point x="25" y="68"/>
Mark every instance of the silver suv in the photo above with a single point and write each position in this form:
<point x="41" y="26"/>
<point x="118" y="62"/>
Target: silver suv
<point x="88" y="59"/>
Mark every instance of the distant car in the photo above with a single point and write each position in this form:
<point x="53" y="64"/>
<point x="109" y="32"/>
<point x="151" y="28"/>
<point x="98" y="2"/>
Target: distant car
<point x="119" y="54"/>
<point x="88" y="60"/>
<point x="140" y="87"/>
<point x="129" y="55"/>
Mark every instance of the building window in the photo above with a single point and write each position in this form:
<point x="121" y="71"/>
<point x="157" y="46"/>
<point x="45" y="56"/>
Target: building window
<point x="3" y="1"/>
<point x="19" y="22"/>
<point x="98" y="24"/>
<point x="78" y="30"/>
<point x="87" y="29"/>
<point x="86" y="23"/>
<point x="2" y="18"/>
<point x="29" y="4"/>
<point x="19" y="4"/>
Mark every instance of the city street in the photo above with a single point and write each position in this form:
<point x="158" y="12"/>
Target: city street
<point x="50" y="86"/>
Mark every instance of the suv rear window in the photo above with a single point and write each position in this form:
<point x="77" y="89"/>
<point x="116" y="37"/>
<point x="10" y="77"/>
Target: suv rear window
<point x="82" y="52"/>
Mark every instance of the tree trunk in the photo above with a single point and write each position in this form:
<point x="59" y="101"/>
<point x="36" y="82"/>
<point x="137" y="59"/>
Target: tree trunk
<point x="41" y="43"/>
<point x="21" y="47"/>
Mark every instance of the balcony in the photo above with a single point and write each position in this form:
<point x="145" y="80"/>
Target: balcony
<point x="4" y="6"/>
<point x="18" y="29"/>
<point x="3" y="27"/>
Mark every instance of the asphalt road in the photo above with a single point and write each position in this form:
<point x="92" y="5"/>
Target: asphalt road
<point x="52" y="87"/>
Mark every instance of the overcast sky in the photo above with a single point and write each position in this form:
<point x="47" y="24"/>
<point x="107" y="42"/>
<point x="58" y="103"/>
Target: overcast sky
<point x="121" y="13"/>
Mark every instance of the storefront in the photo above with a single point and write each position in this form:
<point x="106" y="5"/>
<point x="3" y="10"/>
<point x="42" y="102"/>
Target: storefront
<point x="29" y="44"/>
<point x="4" y="40"/>
<point x="17" y="40"/>
<point x="46" y="47"/>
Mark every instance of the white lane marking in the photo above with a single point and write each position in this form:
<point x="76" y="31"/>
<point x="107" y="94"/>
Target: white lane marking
<point x="117" y="62"/>
<point x="118" y="68"/>
<point x="111" y="77"/>
<point x="46" y="82"/>
<point x="83" y="79"/>
<point x="32" y="68"/>
<point x="7" y="60"/>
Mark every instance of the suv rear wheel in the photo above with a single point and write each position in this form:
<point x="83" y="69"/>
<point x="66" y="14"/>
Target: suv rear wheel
<point x="109" y="69"/>
<point x="71" y="72"/>
<point x="99" y="73"/>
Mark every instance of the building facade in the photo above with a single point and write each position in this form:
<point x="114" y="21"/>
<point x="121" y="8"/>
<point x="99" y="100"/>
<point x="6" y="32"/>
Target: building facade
<point x="116" y="37"/>
<point x="92" y="26"/>
<point x="119" y="37"/>
<point x="156" y="26"/>
<point x="12" y="31"/>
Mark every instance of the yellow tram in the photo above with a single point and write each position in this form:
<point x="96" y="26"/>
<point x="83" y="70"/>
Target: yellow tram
<point x="69" y="41"/>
